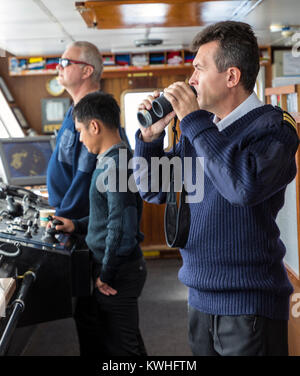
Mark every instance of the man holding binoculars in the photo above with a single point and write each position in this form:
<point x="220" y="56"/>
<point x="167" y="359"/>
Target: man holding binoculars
<point x="232" y="262"/>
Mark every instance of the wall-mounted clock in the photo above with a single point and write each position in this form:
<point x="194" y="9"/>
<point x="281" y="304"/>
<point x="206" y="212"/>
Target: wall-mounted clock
<point x="54" y="87"/>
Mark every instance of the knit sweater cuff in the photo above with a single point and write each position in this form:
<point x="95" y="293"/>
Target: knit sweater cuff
<point x="195" y="123"/>
<point x="144" y="148"/>
<point x="80" y="226"/>
<point x="107" y="274"/>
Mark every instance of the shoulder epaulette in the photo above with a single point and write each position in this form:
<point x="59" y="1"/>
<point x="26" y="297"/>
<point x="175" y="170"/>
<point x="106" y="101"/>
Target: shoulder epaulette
<point x="289" y="120"/>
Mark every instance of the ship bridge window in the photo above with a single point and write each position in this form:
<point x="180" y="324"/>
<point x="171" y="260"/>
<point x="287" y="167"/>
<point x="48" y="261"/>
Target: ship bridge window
<point x="130" y="100"/>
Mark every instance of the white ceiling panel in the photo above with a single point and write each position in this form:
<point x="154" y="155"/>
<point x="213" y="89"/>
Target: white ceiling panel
<point x="275" y="11"/>
<point x="24" y="11"/>
<point x="33" y="47"/>
<point x="30" y="31"/>
<point x="47" y="26"/>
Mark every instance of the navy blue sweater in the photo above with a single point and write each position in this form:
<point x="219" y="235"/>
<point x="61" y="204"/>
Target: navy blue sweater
<point x="233" y="260"/>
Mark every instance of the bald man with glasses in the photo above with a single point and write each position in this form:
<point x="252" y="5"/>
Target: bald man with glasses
<point x="71" y="166"/>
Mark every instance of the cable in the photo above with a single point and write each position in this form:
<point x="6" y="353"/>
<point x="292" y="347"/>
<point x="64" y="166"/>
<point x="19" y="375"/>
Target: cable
<point x="9" y="254"/>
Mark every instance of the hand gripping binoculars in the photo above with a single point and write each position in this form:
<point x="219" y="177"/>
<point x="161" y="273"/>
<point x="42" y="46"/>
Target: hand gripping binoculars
<point x="160" y="108"/>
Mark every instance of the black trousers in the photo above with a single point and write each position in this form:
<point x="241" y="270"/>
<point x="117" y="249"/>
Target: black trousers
<point x="109" y="325"/>
<point x="246" y="335"/>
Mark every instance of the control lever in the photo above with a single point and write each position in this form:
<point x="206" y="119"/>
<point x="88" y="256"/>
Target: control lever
<point x="35" y="225"/>
<point x="14" y="208"/>
<point x="28" y="232"/>
<point x="49" y="236"/>
<point x="52" y="229"/>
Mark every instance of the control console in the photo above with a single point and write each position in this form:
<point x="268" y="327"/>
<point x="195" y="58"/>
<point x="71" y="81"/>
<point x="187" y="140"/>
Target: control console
<point x="60" y="261"/>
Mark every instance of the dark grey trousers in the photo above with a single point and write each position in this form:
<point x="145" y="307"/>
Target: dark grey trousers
<point x="109" y="325"/>
<point x="245" y="335"/>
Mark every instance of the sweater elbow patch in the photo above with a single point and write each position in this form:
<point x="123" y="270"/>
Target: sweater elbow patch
<point x="273" y="162"/>
<point x="86" y="161"/>
<point x="65" y="148"/>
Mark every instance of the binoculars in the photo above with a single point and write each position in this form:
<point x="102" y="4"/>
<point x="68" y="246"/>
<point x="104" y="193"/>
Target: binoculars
<point x="160" y="108"/>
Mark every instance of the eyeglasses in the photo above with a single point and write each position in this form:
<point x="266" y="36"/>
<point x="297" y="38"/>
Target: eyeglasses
<point x="66" y="62"/>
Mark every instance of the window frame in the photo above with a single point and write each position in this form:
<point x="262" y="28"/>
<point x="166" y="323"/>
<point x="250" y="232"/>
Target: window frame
<point x="169" y="131"/>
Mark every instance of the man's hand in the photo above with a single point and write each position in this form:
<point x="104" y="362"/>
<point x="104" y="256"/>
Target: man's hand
<point x="154" y="131"/>
<point x="182" y="99"/>
<point x="104" y="288"/>
<point x="68" y="225"/>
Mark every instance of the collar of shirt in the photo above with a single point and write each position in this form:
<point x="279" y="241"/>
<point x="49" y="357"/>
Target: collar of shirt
<point x="104" y="154"/>
<point x="248" y="105"/>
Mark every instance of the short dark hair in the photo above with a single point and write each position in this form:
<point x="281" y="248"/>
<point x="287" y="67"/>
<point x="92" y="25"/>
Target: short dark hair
<point x="100" y="106"/>
<point x="237" y="48"/>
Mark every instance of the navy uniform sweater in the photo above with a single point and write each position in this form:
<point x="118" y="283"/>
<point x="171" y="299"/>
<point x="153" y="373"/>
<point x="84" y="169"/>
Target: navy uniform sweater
<point x="233" y="259"/>
<point x="70" y="171"/>
<point x="113" y="226"/>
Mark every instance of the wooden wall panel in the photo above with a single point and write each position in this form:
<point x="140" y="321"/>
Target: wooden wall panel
<point x="28" y="92"/>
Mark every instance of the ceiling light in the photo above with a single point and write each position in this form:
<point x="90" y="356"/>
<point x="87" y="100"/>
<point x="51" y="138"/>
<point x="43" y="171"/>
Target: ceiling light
<point x="130" y="49"/>
<point x="147" y="42"/>
<point x="276" y="28"/>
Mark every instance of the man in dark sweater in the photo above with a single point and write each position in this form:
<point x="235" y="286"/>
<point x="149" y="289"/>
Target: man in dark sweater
<point x="113" y="233"/>
<point x="233" y="259"/>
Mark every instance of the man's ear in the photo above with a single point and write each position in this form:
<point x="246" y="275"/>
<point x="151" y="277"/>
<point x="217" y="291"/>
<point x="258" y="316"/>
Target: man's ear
<point x="87" y="71"/>
<point x="233" y="77"/>
<point x="95" y="126"/>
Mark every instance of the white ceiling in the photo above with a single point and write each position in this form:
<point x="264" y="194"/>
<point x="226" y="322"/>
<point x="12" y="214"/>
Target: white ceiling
<point x="33" y="27"/>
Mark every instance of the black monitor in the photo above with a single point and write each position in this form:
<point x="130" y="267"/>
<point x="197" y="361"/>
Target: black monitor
<point x="24" y="161"/>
